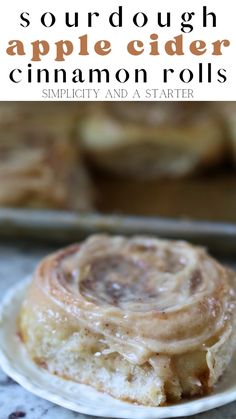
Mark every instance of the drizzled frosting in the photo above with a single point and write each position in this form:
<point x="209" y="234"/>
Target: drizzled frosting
<point x="144" y="296"/>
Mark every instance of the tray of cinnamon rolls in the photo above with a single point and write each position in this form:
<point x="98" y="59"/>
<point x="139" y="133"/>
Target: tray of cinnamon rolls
<point x="69" y="169"/>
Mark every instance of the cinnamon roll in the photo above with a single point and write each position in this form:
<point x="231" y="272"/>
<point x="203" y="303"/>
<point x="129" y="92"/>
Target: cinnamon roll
<point x="151" y="140"/>
<point x="39" y="163"/>
<point x="146" y="320"/>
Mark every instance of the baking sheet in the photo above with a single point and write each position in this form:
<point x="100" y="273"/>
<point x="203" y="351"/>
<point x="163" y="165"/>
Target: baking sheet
<point x="62" y="226"/>
<point x="205" y="196"/>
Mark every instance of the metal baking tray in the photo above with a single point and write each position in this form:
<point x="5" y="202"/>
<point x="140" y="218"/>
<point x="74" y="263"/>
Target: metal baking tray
<point x="65" y="227"/>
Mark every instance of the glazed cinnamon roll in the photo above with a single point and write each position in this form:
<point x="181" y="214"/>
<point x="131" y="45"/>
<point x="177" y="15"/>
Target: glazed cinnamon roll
<point x="145" y="320"/>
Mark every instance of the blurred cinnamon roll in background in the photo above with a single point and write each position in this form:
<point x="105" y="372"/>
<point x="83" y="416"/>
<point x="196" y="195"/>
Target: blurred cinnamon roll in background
<point x="38" y="164"/>
<point x="151" y="140"/>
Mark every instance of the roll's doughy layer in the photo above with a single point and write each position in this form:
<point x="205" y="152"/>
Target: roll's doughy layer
<point x="142" y="319"/>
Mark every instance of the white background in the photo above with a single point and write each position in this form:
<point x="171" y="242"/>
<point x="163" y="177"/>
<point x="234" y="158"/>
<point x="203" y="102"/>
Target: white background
<point x="119" y="57"/>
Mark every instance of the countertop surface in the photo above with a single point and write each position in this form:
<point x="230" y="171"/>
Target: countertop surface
<point x="16" y="262"/>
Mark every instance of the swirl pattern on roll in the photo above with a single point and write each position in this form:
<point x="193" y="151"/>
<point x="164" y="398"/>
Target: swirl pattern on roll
<point x="168" y="298"/>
